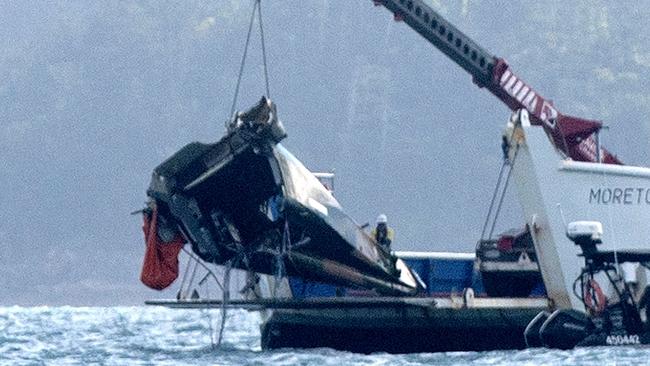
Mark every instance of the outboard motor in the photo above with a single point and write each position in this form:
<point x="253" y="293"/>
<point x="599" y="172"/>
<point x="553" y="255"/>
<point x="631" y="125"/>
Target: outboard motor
<point x="531" y="333"/>
<point x="564" y="329"/>
<point x="612" y="323"/>
<point x="607" y="321"/>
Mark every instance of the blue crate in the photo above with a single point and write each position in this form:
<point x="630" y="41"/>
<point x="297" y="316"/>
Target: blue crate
<point x="419" y="266"/>
<point x="446" y="276"/>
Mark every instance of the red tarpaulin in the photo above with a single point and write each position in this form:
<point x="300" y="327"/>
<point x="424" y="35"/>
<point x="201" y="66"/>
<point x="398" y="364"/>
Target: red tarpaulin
<point x="160" y="267"/>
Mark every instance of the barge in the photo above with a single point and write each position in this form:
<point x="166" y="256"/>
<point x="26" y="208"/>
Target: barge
<point x="453" y="314"/>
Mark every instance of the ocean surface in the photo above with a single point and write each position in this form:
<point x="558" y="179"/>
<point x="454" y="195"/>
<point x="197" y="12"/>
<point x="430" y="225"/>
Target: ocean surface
<point x="158" y="336"/>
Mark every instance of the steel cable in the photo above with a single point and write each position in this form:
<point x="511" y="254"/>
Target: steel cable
<point x="257" y="6"/>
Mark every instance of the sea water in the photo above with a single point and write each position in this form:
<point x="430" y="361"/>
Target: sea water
<point x="159" y="336"/>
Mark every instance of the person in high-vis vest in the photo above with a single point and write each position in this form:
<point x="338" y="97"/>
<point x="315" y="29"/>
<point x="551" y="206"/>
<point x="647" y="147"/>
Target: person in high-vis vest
<point x="382" y="233"/>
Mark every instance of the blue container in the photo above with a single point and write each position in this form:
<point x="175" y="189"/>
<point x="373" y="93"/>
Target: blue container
<point x="447" y="276"/>
<point x="443" y="272"/>
<point x="477" y="283"/>
<point x="419" y="266"/>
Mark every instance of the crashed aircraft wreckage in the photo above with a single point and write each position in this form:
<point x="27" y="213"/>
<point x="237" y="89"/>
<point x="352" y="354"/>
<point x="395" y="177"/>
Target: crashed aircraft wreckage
<point x="246" y="202"/>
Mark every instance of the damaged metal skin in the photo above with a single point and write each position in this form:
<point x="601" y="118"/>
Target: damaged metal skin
<point x="248" y="202"/>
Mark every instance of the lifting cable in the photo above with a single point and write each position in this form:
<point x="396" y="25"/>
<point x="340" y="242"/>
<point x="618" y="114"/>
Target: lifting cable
<point x="494" y="196"/>
<point x="266" y="71"/>
<point x="498" y="191"/>
<point x="503" y="193"/>
<point x="257" y="8"/>
<point x="225" y="299"/>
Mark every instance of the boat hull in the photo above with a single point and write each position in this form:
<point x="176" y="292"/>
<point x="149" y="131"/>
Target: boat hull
<point x="247" y="202"/>
<point x="398" y="328"/>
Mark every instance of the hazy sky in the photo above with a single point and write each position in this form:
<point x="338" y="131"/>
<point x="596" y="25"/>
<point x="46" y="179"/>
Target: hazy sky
<point x="95" y="94"/>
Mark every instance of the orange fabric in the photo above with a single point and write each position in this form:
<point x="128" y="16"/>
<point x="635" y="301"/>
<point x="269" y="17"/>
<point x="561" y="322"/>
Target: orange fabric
<point x="591" y="292"/>
<point x="160" y="267"/>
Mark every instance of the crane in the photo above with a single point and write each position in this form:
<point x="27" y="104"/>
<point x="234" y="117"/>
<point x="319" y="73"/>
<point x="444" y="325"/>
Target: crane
<point x="575" y="137"/>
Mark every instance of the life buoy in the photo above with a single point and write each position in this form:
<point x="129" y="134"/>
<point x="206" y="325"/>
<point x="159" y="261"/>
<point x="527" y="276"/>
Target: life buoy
<point x="595" y="299"/>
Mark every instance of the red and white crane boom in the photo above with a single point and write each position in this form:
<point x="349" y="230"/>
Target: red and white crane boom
<point x="575" y="137"/>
